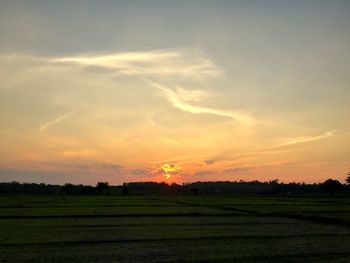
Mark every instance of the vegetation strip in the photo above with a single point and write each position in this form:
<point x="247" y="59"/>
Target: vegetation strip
<point x="82" y="242"/>
<point x="299" y="257"/>
<point x="160" y="225"/>
<point x="118" y="215"/>
<point x="310" y="218"/>
<point x="84" y="206"/>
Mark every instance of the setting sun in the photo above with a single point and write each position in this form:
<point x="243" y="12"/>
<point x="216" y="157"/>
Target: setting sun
<point x="175" y="131"/>
<point x="170" y="168"/>
<point x="261" y="98"/>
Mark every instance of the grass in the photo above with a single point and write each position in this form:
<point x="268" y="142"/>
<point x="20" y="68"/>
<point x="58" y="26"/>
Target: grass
<point x="173" y="229"/>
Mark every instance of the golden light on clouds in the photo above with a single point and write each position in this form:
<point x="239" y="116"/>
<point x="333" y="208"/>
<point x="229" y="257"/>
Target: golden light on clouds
<point x="178" y="99"/>
<point x="189" y="63"/>
<point x="44" y="126"/>
<point x="169" y="171"/>
<point x="164" y="103"/>
<point x="153" y="102"/>
<point x="170" y="168"/>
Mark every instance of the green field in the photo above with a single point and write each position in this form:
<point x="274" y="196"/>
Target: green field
<point x="174" y="229"/>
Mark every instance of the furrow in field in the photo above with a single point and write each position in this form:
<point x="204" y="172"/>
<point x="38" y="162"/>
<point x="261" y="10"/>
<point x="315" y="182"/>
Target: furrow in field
<point x="209" y="238"/>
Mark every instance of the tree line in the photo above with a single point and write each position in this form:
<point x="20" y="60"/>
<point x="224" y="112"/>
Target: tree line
<point x="197" y="188"/>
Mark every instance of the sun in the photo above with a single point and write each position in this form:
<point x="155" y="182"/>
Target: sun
<point x="169" y="171"/>
<point x="170" y="168"/>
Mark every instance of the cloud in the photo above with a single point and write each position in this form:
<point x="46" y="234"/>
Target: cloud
<point x="228" y="156"/>
<point x="305" y="139"/>
<point x="154" y="67"/>
<point x="71" y="166"/>
<point x="209" y="162"/>
<point x="82" y="153"/>
<point x="140" y="171"/>
<point x="204" y="173"/>
<point x="178" y="102"/>
<point x="191" y="95"/>
<point x="165" y="168"/>
<point x="271" y="150"/>
<point x="247" y="154"/>
<point x="109" y="166"/>
<point x="177" y="62"/>
<point x="29" y="176"/>
<point x="62" y="172"/>
<point x="170" y="168"/>
<point x="45" y="126"/>
<point x="239" y="170"/>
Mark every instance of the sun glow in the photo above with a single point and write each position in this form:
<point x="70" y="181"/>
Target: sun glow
<point x="170" y="168"/>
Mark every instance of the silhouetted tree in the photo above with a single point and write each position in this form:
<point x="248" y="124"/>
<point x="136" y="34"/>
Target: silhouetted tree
<point x="68" y="188"/>
<point x="331" y="186"/>
<point x="347" y="180"/>
<point x="196" y="188"/>
<point x="88" y="190"/>
<point x="125" y="189"/>
<point x="102" y="187"/>
<point x="275" y="181"/>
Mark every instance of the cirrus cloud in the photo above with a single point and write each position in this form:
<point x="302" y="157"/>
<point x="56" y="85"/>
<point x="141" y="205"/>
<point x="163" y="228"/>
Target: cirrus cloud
<point x="176" y="99"/>
<point x="177" y="62"/>
<point x="305" y="139"/>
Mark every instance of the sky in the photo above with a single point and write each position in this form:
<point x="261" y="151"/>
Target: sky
<point x="174" y="91"/>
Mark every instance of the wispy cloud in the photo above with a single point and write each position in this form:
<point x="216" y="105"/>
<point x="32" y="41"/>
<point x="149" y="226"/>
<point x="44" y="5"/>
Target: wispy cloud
<point x="266" y="152"/>
<point x="239" y="170"/>
<point x="177" y="62"/>
<point x="276" y="149"/>
<point x="229" y="156"/>
<point x="191" y="95"/>
<point x="45" y="126"/>
<point x="177" y="100"/>
<point x="305" y="139"/>
<point x="82" y="153"/>
<point x="204" y="173"/>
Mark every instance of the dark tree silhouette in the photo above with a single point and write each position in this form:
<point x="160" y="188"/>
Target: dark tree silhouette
<point x="196" y="188"/>
<point x="125" y="189"/>
<point x="68" y="189"/>
<point x="332" y="186"/>
<point x="102" y="187"/>
<point x="347" y="180"/>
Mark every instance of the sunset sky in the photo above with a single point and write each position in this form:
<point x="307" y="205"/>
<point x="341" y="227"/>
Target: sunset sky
<point x="174" y="91"/>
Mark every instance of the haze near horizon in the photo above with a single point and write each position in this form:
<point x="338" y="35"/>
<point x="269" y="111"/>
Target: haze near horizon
<point x="174" y="91"/>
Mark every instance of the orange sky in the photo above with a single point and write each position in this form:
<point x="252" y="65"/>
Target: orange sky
<point x="224" y="91"/>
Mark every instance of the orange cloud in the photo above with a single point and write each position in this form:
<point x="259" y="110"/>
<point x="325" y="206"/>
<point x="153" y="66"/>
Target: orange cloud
<point x="170" y="168"/>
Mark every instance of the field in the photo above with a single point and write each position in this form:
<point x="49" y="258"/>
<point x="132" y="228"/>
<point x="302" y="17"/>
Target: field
<point x="174" y="229"/>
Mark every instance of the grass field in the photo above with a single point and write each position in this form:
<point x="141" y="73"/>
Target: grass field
<point x="174" y="229"/>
